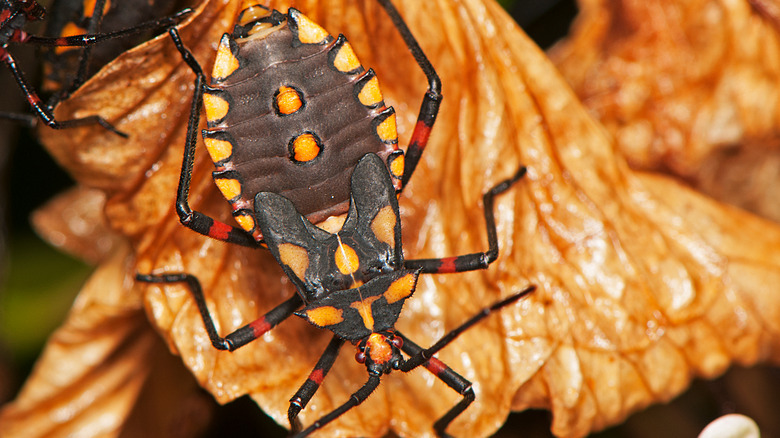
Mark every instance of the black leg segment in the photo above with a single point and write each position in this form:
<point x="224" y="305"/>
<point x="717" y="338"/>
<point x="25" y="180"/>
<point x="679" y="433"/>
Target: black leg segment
<point x="243" y="335"/>
<point x="480" y="260"/>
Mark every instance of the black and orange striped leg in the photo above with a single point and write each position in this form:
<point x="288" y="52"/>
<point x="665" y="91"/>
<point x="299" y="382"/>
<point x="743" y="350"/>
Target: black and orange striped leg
<point x="444" y="373"/>
<point x="42" y="110"/>
<point x="93" y="37"/>
<point x="429" y="108"/>
<point x="424" y="357"/>
<point x="81" y="74"/>
<point x="312" y="383"/>
<point x="357" y="398"/>
<point x="195" y="220"/>
<point x="480" y="260"/>
<point x="243" y="335"/>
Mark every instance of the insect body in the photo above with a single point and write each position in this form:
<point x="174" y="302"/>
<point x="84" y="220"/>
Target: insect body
<point x="298" y="130"/>
<point x="15" y="14"/>
<point x="354" y="283"/>
<point x="291" y="110"/>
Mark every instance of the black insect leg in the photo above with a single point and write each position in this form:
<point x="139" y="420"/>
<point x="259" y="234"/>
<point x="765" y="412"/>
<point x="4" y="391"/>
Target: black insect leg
<point x="42" y="111"/>
<point x="419" y="356"/>
<point x="480" y="260"/>
<point x="243" y="335"/>
<point x="89" y="39"/>
<point x="429" y="108"/>
<point x="452" y="379"/>
<point x="28" y="120"/>
<point x="195" y="220"/>
<point x="312" y="384"/>
<point x="357" y="398"/>
<point x="95" y="20"/>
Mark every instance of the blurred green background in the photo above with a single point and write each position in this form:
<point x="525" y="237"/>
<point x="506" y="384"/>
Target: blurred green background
<point x="39" y="283"/>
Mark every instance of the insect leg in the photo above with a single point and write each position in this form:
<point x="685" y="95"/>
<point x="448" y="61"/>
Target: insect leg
<point x="312" y="384"/>
<point x="480" y="260"/>
<point x="243" y="335"/>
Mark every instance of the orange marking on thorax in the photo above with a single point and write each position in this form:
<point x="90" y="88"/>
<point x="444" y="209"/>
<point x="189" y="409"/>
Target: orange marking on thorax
<point x="364" y="309"/>
<point x="346" y="259"/>
<point x="378" y="349"/>
<point x="325" y="316"/>
<point x="383" y="225"/>
<point x="400" y="289"/>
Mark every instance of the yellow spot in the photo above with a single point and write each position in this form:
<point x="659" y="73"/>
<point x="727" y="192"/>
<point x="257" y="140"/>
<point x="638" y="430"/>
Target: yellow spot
<point x="246" y="222"/>
<point x="309" y="32"/>
<point x="347" y="260"/>
<point x="378" y="349"/>
<point x="370" y="95"/>
<point x="397" y="166"/>
<point x="216" y="107"/>
<point x="346" y="60"/>
<point x="383" y="225"/>
<point x="401" y="288"/>
<point x="325" y="316"/>
<point x="225" y="63"/>
<point x="70" y="29"/>
<point x="386" y="130"/>
<point x="89" y="8"/>
<point x="229" y="187"/>
<point x="364" y="309"/>
<point x="305" y="148"/>
<point x="295" y="257"/>
<point x="288" y="100"/>
<point x="218" y="149"/>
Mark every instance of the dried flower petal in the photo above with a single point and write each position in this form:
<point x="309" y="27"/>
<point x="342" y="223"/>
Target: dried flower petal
<point x="74" y="223"/>
<point x="94" y="366"/>
<point x="685" y="86"/>
<point x="643" y="283"/>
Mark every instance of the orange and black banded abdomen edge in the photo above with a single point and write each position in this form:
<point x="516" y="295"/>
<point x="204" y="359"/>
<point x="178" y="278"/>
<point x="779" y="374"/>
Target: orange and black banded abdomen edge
<point x="291" y="110"/>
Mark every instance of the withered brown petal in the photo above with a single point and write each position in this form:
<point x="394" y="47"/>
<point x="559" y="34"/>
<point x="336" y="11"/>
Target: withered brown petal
<point x="75" y="223"/>
<point x="642" y="282"/>
<point x="676" y="81"/>
<point x="93" y="367"/>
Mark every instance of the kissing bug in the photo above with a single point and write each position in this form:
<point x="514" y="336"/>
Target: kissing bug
<point x="291" y="110"/>
<point x="15" y="14"/>
<point x="354" y="283"/>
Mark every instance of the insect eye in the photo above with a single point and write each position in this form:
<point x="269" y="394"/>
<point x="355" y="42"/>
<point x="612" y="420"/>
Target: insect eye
<point x="335" y="282"/>
<point x="360" y="356"/>
<point x="398" y="342"/>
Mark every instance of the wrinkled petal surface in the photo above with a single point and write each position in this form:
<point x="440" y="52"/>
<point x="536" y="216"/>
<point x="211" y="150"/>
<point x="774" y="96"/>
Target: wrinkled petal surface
<point x="687" y="86"/>
<point x="643" y="283"/>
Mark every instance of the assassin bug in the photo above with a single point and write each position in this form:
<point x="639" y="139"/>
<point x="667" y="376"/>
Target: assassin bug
<point x="291" y="110"/>
<point x="15" y="14"/>
<point x="355" y="283"/>
<point x="290" y="113"/>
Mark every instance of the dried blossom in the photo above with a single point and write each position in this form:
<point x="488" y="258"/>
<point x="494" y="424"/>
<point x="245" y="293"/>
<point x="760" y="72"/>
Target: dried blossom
<point x="643" y="283"/>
